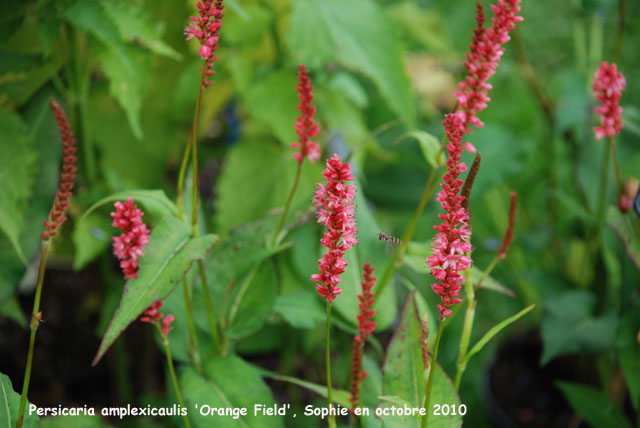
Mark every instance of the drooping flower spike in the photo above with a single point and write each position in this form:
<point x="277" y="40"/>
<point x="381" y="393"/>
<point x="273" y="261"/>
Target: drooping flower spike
<point x="366" y="325"/>
<point x="483" y="60"/>
<point x="336" y="213"/>
<point x="608" y="85"/>
<point x="68" y="174"/>
<point x="128" y="247"/>
<point x="153" y="315"/>
<point x="305" y="126"/>
<point x="206" y="29"/>
<point x="448" y="258"/>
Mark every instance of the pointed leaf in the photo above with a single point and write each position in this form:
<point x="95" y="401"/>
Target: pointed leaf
<point x="228" y="382"/>
<point x="168" y="257"/>
<point x="155" y="202"/>
<point x="594" y="406"/>
<point x="490" y="283"/>
<point x="10" y="404"/>
<point x="404" y="374"/>
<point x="495" y="330"/>
<point x="429" y="145"/>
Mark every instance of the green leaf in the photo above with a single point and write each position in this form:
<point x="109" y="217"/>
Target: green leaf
<point x="404" y="374"/>
<point x="227" y="382"/>
<point x="490" y="283"/>
<point x="629" y="353"/>
<point x="429" y="145"/>
<point x="593" y="406"/>
<point x="128" y="84"/>
<point x="339" y="396"/>
<point x="17" y="163"/>
<point x="136" y="25"/>
<point x="273" y="102"/>
<point x="168" y="257"/>
<point x="360" y="35"/>
<point x="301" y="309"/>
<point x="155" y="202"/>
<point x="621" y="225"/>
<point x="570" y="327"/>
<point x="495" y="330"/>
<point x="10" y="308"/>
<point x="90" y="238"/>
<point x="10" y="404"/>
<point x="80" y="421"/>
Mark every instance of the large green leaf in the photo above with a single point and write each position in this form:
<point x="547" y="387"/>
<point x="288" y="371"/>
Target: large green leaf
<point x="569" y="326"/>
<point x="80" y="421"/>
<point x="358" y="34"/>
<point x="17" y="162"/>
<point x="91" y="238"/>
<point x="594" y="406"/>
<point x="339" y="396"/>
<point x="301" y="309"/>
<point x="155" y="202"/>
<point x="629" y="353"/>
<point x="404" y="374"/>
<point x="168" y="257"/>
<point x="136" y="25"/>
<point x="10" y="404"/>
<point x="227" y="382"/>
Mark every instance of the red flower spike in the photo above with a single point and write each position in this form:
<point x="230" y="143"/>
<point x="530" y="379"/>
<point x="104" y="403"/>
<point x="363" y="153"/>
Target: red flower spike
<point x="451" y="243"/>
<point x="337" y="215"/>
<point x="483" y="60"/>
<point x="365" y="327"/>
<point x="206" y="29"/>
<point x="68" y="174"/>
<point x="608" y="85"/>
<point x="153" y="316"/>
<point x="166" y="322"/>
<point x="305" y="126"/>
<point x="128" y="247"/>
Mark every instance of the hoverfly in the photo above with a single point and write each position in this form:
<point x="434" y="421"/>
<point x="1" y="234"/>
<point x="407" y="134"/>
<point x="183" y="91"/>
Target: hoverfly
<point x="389" y="239"/>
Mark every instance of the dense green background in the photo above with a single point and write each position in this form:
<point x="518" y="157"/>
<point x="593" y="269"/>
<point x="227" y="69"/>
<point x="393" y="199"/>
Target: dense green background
<point x="128" y="80"/>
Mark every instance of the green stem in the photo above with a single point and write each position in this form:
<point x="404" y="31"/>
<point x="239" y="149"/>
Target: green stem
<point x="332" y="419"/>
<point x="602" y="196"/>
<point x="194" y="161"/>
<point x="182" y="173"/>
<point x="172" y="371"/>
<point x="616" y="166"/>
<point x="286" y="207"/>
<point x="191" y="327"/>
<point x="35" y="321"/>
<point x="213" y="325"/>
<point x="467" y="328"/>
<point x="427" y="192"/>
<point x="427" y="390"/>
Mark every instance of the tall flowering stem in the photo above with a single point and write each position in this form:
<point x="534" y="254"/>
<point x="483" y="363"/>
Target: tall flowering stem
<point x="366" y="325"/>
<point x="51" y="226"/>
<point x="336" y="213"/>
<point x="482" y="62"/>
<point x="153" y="316"/>
<point x="206" y="29"/>
<point x="608" y="85"/>
<point x="306" y="128"/>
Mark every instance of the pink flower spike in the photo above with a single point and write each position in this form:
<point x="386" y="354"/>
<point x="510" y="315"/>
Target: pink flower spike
<point x="128" y="247"/>
<point x="484" y="58"/>
<point x="205" y="28"/>
<point x="450" y="245"/>
<point x="166" y="322"/>
<point x="608" y="85"/>
<point x="337" y="215"/>
<point x="305" y="126"/>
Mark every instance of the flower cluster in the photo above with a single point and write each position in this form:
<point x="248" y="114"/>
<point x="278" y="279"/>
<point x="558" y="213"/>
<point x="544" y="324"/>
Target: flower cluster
<point x="206" y="28"/>
<point x="608" y="85"/>
<point x="451" y="243"/>
<point x="153" y="315"/>
<point x="128" y="246"/>
<point x="305" y="126"/>
<point x="337" y="215"/>
<point x="61" y="202"/>
<point x="365" y="327"/>
<point x="483" y="60"/>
